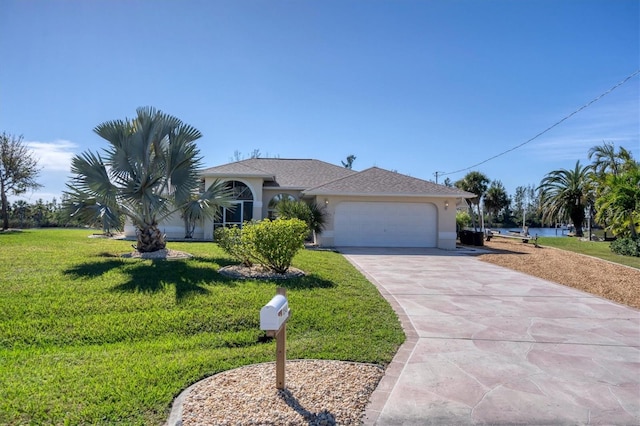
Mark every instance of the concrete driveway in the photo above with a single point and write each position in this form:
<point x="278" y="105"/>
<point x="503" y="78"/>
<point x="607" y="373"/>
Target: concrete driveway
<point x="488" y="345"/>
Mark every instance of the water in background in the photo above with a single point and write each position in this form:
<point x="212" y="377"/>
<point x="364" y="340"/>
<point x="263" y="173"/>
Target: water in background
<point x="540" y="232"/>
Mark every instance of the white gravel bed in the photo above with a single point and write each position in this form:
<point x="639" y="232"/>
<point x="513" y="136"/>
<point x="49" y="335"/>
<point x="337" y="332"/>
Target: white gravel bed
<point x="258" y="272"/>
<point x="316" y="393"/>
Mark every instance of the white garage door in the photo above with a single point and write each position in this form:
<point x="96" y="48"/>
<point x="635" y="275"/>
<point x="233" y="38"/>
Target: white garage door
<point x="369" y="224"/>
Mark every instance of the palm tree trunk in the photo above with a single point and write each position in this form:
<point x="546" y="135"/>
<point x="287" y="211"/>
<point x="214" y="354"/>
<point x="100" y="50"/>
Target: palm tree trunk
<point x="150" y="239"/>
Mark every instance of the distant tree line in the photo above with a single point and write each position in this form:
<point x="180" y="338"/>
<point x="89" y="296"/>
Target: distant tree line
<point x="605" y="193"/>
<point x="40" y="214"/>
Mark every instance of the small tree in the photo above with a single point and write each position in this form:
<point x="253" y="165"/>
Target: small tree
<point x="18" y="171"/>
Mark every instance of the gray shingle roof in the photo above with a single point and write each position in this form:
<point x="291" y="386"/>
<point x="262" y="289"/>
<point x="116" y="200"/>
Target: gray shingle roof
<point x="316" y="177"/>
<point x="376" y="181"/>
<point x="285" y="173"/>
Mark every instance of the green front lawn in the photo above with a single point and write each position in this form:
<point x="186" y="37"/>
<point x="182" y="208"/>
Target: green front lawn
<point x="87" y="337"/>
<point x="598" y="249"/>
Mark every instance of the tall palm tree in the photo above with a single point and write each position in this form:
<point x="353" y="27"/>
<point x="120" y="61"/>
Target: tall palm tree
<point x="565" y="194"/>
<point x="496" y="199"/>
<point x="149" y="172"/>
<point x="607" y="160"/>
<point x="475" y="183"/>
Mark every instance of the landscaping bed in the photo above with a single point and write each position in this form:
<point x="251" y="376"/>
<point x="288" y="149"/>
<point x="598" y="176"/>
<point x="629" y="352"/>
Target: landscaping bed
<point x="606" y="279"/>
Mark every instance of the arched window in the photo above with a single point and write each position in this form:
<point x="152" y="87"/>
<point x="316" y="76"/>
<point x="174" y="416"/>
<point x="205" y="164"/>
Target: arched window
<point x="272" y="208"/>
<point x="242" y="209"/>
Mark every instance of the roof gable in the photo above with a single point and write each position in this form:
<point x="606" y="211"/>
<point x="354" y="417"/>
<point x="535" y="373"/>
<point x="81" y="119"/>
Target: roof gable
<point x="376" y="181"/>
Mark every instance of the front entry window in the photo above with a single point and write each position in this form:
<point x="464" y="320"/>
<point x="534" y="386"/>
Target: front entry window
<point x="242" y="209"/>
<point x="272" y="208"/>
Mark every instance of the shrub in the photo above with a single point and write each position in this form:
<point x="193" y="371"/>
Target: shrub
<point x="269" y="243"/>
<point x="237" y="242"/>
<point x="277" y="242"/>
<point x="626" y="246"/>
<point x="463" y="219"/>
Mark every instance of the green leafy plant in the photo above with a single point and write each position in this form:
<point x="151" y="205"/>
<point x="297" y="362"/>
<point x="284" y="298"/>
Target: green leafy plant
<point x="626" y="246"/>
<point x="269" y="243"/>
<point x="237" y="242"/>
<point x="150" y="171"/>
<point x="463" y="220"/>
<point x="311" y="213"/>
<point x="278" y="241"/>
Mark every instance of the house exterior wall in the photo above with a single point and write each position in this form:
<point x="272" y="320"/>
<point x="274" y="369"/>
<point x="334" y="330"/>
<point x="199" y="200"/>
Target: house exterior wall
<point x="446" y="216"/>
<point x="172" y="228"/>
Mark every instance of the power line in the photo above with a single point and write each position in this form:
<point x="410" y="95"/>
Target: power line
<point x="557" y="123"/>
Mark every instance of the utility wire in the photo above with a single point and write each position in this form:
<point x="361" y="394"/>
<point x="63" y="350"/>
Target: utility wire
<point x="557" y="123"/>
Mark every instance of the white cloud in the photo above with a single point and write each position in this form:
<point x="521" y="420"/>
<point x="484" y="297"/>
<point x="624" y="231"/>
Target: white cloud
<point x="53" y="156"/>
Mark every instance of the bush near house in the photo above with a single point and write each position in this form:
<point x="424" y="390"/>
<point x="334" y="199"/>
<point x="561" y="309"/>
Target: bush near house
<point x="237" y="244"/>
<point x="269" y="243"/>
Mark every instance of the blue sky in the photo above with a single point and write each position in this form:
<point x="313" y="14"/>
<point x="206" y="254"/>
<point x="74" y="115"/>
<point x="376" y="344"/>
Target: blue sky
<point x="414" y="86"/>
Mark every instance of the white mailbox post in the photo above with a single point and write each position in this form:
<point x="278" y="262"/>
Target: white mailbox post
<point x="274" y="313"/>
<point x="273" y="320"/>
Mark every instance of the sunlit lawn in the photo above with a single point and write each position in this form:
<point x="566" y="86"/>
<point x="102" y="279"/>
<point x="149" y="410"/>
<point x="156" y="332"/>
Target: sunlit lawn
<point x="87" y="337"/>
<point x="598" y="249"/>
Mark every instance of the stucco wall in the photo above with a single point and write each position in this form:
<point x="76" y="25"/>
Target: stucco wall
<point x="446" y="216"/>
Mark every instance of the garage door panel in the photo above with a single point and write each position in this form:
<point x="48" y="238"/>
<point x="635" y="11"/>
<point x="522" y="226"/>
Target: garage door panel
<point x="384" y="224"/>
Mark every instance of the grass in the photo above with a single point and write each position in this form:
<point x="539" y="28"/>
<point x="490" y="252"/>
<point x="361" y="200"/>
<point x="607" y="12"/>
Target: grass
<point x="88" y="337"/>
<point x="599" y="249"/>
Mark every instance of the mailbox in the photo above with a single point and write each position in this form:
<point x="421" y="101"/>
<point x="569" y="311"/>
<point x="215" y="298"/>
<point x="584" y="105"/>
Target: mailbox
<point x="274" y="313"/>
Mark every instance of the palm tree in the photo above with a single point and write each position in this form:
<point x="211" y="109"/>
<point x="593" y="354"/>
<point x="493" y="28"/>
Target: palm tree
<point x="201" y="205"/>
<point x="607" y="160"/>
<point x="619" y="205"/>
<point x="496" y="199"/>
<point x="475" y="183"/>
<point x="149" y="172"/>
<point x="565" y="194"/>
<point x="311" y="213"/>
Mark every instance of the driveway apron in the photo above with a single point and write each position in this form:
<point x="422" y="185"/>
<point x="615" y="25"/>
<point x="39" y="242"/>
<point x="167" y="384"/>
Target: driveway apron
<point x="488" y="345"/>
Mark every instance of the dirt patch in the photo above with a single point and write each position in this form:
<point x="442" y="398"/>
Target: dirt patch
<point x="611" y="281"/>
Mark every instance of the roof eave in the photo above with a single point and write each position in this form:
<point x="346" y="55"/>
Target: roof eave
<point x="238" y="175"/>
<point x="386" y="194"/>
